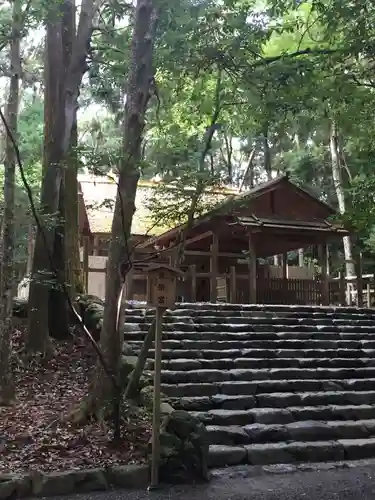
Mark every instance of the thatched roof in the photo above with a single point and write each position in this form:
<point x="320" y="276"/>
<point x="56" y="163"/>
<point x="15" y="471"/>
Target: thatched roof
<point x="97" y="191"/>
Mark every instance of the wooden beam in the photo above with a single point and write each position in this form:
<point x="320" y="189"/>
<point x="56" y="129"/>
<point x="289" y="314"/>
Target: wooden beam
<point x="213" y="267"/>
<point x="252" y="263"/>
<point x="199" y="237"/>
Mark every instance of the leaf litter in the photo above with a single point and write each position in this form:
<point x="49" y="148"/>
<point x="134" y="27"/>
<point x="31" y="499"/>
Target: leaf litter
<point x="35" y="436"/>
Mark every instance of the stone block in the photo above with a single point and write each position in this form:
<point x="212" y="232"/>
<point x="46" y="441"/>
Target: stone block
<point x="227" y="435"/>
<point x="128" y="476"/>
<point x="270" y="453"/>
<point x="221" y="456"/>
<point x="261" y="433"/>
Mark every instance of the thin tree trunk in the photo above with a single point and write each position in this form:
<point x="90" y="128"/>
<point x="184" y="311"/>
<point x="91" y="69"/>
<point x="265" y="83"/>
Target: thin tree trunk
<point x="74" y="274"/>
<point x="73" y="264"/>
<point x="337" y="180"/>
<point x="6" y="379"/>
<point x="140" y="76"/>
<point x="248" y="178"/>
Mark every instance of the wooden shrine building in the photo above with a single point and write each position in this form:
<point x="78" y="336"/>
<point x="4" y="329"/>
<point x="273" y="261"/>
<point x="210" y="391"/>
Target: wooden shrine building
<point x="226" y="249"/>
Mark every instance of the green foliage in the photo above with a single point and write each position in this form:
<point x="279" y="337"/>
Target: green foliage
<point x="287" y="69"/>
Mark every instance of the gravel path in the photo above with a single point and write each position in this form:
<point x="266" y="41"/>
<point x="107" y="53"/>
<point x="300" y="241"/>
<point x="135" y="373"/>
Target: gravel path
<point x="355" y="483"/>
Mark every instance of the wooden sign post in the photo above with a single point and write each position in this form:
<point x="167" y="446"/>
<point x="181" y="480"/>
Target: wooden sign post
<point x="161" y="293"/>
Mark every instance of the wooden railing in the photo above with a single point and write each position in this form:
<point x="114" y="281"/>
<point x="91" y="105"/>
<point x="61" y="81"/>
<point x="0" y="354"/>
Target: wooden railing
<point x="241" y="287"/>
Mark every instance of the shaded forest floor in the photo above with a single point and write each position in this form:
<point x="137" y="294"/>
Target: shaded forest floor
<point x="33" y="434"/>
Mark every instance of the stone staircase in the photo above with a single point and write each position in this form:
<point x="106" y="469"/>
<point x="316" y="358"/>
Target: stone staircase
<point x="273" y="384"/>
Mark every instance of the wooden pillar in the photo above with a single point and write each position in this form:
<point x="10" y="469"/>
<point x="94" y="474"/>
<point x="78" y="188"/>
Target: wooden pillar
<point x="96" y="245"/>
<point x="232" y="285"/>
<point x="343" y="294"/>
<point x="86" y="242"/>
<point x="156" y="415"/>
<point x="301" y="257"/>
<point x="252" y="263"/>
<point x="285" y="266"/>
<point x="322" y="250"/>
<point x="328" y="267"/>
<point x="358" y="272"/>
<point x="193" y="278"/>
<point x="173" y="256"/>
<point x="213" y="267"/>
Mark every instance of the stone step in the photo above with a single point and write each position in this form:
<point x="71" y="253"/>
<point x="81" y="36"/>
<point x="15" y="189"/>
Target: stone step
<point x="264" y="344"/>
<point x="281" y="416"/>
<point x="212" y="376"/>
<point x="198" y="314"/>
<point x="257" y="363"/>
<point x="217" y="354"/>
<point x="235" y="388"/>
<point x="294" y="452"/>
<point x="273" y="400"/>
<point x="198" y="309"/>
<point x="137" y="335"/>
<point x="314" y="320"/>
<point x="256" y="326"/>
<point x="308" y="430"/>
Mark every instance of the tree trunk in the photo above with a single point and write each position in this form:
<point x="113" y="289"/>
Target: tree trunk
<point x="42" y="277"/>
<point x="337" y="180"/>
<point x="267" y="153"/>
<point x="62" y="90"/>
<point x="6" y="380"/>
<point x="140" y="76"/>
<point x="30" y="248"/>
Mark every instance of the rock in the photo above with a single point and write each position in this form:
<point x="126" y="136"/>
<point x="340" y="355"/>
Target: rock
<point x="183" y="448"/>
<point x="147" y="399"/>
<point x="280" y="468"/>
<point x="93" y="317"/>
<point x="221" y="456"/>
<point x="127" y="365"/>
<point x="128" y="476"/>
<point x="166" y="408"/>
